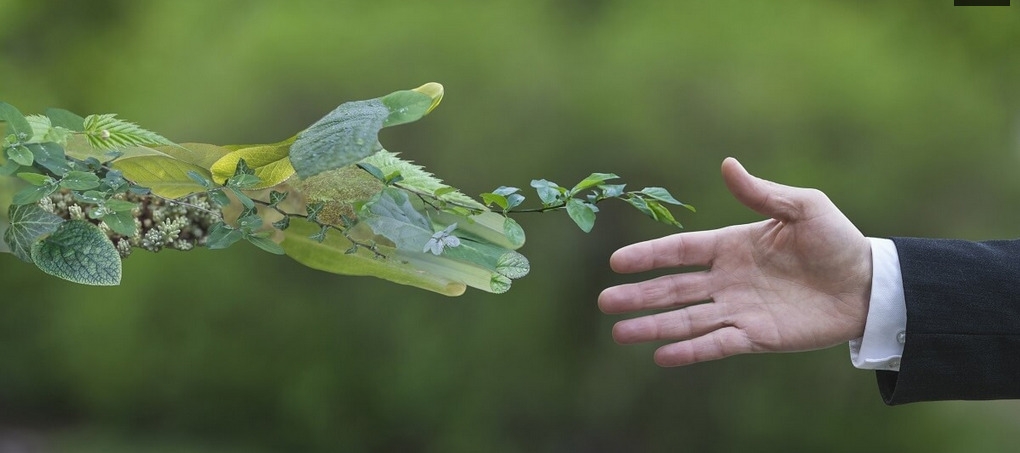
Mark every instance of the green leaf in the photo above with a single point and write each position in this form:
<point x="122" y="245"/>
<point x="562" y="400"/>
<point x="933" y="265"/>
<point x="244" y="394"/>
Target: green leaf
<point x="612" y="190"/>
<point x="493" y="198"/>
<point x="21" y="155"/>
<point x="9" y="168"/>
<point x="390" y="214"/>
<point x="65" y="119"/>
<point x="219" y="197"/>
<point x="79" y="252"/>
<point x="199" y="154"/>
<point x="271" y="163"/>
<point x="40" y="127"/>
<point x="486" y="226"/>
<point x="513" y="232"/>
<point x="275" y="198"/>
<point x="245" y="200"/>
<point x="36" y="179"/>
<point x="641" y="205"/>
<point x="51" y="157"/>
<point x="167" y="176"/>
<point x="283" y="223"/>
<point x="116" y="205"/>
<point x="321" y="235"/>
<point x="121" y="222"/>
<point x="351" y="131"/>
<point x="243" y="181"/>
<point x="661" y="194"/>
<point x="79" y="180"/>
<point x="222" y="236"/>
<point x="406" y="106"/>
<point x="418" y="180"/>
<point x="29" y="222"/>
<point x="330" y="256"/>
<point x="549" y="192"/>
<point x="373" y="170"/>
<point x="107" y="132"/>
<point x="581" y="213"/>
<point x="16" y="122"/>
<point x="250" y="222"/>
<point x="33" y="194"/>
<point x="593" y="180"/>
<point x="661" y="213"/>
<point x="263" y="242"/>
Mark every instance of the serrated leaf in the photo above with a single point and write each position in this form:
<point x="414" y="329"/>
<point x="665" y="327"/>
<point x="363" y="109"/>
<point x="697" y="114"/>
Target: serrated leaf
<point x="513" y="265"/>
<point x="419" y="180"/>
<point x="79" y="180"/>
<point x="16" y="122"/>
<point x="581" y="213"/>
<point x="351" y="131"/>
<point x="40" y="127"/>
<point x="28" y="223"/>
<point x="593" y="180"/>
<point x="79" y="252"/>
<point x="65" y="119"/>
<point x="107" y="132"/>
<point x="271" y="163"/>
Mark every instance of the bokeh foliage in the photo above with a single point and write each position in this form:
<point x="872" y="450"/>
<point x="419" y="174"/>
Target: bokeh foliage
<point x="905" y="113"/>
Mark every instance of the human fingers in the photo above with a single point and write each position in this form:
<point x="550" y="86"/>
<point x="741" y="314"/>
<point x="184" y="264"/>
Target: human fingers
<point x="774" y="200"/>
<point x="661" y="292"/>
<point x="682" y="324"/>
<point x="717" y="344"/>
<point x="681" y="249"/>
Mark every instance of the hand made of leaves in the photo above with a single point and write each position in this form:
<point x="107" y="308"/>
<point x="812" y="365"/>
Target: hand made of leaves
<point x="330" y="197"/>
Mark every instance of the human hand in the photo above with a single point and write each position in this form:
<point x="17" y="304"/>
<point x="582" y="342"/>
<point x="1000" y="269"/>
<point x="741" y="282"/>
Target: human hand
<point x="798" y="281"/>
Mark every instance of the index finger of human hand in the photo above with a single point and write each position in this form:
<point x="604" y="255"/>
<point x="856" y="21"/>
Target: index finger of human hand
<point x="681" y="249"/>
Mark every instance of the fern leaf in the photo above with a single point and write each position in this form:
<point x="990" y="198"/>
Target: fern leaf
<point x="107" y="132"/>
<point x="419" y="180"/>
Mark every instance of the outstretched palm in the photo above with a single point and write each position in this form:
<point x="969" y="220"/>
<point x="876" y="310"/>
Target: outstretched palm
<point x="800" y="280"/>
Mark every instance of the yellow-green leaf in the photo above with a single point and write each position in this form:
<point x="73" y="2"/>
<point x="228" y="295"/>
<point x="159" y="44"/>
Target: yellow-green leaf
<point x="331" y="255"/>
<point x="164" y="175"/>
<point x="270" y="162"/>
<point x="201" y="154"/>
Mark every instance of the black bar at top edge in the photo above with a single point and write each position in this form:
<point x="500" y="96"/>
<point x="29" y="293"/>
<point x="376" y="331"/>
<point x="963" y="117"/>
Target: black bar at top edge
<point x="980" y="2"/>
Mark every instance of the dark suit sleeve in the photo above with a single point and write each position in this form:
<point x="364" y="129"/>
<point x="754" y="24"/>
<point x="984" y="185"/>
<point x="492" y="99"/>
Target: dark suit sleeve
<point x="963" y="322"/>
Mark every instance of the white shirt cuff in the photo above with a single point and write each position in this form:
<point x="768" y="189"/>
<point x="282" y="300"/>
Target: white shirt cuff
<point x="881" y="347"/>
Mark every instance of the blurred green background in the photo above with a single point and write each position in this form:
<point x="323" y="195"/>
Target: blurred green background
<point x="904" y="113"/>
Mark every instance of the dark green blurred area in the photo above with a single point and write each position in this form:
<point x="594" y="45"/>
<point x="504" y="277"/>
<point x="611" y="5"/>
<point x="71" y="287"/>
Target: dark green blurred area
<point x="904" y="113"/>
